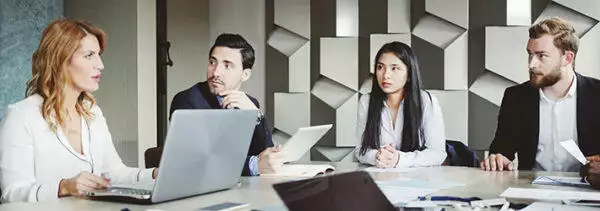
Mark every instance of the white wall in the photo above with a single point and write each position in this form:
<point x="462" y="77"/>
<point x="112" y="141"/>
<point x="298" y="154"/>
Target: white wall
<point x="187" y="30"/>
<point x="127" y="93"/>
<point x="146" y="77"/>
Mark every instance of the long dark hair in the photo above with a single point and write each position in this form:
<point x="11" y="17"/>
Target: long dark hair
<point x="413" y="104"/>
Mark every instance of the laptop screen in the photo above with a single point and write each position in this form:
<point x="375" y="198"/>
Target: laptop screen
<point x="347" y="191"/>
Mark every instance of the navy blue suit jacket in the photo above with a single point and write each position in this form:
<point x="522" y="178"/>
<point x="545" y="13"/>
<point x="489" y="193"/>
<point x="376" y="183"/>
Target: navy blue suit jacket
<point x="200" y="97"/>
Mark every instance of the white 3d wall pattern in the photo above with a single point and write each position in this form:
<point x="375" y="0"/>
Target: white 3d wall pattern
<point x="469" y="52"/>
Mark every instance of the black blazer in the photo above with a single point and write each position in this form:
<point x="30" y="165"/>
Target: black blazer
<point x="518" y="121"/>
<point x="199" y="97"/>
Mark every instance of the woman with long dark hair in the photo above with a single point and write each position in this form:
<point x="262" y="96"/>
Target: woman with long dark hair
<point x="400" y="124"/>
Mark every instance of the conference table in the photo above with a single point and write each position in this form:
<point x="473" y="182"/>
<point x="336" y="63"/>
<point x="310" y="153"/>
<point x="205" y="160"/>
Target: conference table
<point x="258" y="191"/>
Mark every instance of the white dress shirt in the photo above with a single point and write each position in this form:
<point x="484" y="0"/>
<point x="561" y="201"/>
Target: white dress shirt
<point x="34" y="159"/>
<point x="558" y="122"/>
<point x="433" y="129"/>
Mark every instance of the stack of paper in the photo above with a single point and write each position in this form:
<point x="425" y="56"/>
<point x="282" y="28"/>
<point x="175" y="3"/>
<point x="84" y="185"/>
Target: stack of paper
<point x="539" y="206"/>
<point x="548" y="195"/>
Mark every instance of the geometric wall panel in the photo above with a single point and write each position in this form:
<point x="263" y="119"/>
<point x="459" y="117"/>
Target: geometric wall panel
<point x="365" y="88"/>
<point x="285" y="41"/>
<point x="580" y="22"/>
<point x="378" y="40"/>
<point x="346" y="18"/>
<point x="589" y="8"/>
<point x="437" y="31"/>
<point x="299" y="70"/>
<point x="456" y="69"/>
<point x="293" y="15"/>
<point x="454" y="105"/>
<point x="455" y="11"/>
<point x="431" y="63"/>
<point x="321" y="114"/>
<point x="331" y="93"/>
<point x="334" y="154"/>
<point x="588" y="61"/>
<point x="483" y="118"/>
<point x="292" y="112"/>
<point x="399" y="13"/>
<point x="339" y="60"/>
<point x="490" y="87"/>
<point x="346" y="119"/>
<point x="518" y="12"/>
<point x="505" y="52"/>
<point x="442" y="49"/>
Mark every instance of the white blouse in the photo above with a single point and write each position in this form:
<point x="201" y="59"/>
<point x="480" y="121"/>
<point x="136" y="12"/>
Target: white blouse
<point x="433" y="130"/>
<point x="33" y="159"/>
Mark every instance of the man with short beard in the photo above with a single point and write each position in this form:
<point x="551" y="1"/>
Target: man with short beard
<point x="556" y="104"/>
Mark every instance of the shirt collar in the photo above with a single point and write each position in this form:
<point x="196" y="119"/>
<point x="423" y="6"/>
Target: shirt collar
<point x="572" y="92"/>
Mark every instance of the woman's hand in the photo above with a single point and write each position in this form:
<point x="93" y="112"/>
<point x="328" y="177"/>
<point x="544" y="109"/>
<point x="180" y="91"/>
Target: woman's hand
<point x="81" y="183"/>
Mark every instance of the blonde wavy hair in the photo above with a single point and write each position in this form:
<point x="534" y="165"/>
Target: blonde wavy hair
<point x="59" y="41"/>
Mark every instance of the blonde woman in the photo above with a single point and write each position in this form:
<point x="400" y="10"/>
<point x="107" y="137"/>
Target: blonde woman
<point x="56" y="143"/>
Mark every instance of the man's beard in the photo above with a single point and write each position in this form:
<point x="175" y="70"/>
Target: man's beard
<point x="545" y="80"/>
<point x="215" y="90"/>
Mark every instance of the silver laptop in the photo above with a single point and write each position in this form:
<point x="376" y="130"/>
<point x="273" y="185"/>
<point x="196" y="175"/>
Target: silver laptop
<point x="204" y="152"/>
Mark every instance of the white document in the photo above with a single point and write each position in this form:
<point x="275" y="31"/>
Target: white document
<point x="299" y="170"/>
<point x="573" y="149"/>
<point x="548" y="194"/>
<point x="544" y="206"/>
<point x="561" y="181"/>
<point x="393" y="170"/>
<point x="301" y="142"/>
<point x="421" y="184"/>
<point x="401" y="195"/>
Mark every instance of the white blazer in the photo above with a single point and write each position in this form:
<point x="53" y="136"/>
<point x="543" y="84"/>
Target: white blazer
<point x="33" y="159"/>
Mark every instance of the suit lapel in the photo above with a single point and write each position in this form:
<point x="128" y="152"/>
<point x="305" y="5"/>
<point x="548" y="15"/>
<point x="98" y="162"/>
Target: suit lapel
<point x="579" y="105"/>
<point x="201" y="95"/>
<point x="532" y="100"/>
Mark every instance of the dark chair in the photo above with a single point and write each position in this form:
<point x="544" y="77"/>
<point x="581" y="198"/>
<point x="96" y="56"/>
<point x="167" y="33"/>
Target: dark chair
<point x="460" y="154"/>
<point x="152" y="157"/>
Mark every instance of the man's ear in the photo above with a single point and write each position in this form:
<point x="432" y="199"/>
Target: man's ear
<point x="569" y="57"/>
<point x="246" y="73"/>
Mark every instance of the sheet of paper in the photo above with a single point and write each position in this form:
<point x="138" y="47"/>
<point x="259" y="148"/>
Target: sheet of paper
<point x="393" y="170"/>
<point x="302" y="141"/>
<point x="561" y="181"/>
<point x="401" y="195"/>
<point x="573" y="149"/>
<point x="548" y="194"/>
<point x="539" y="206"/>
<point x="422" y="184"/>
<point x="300" y="170"/>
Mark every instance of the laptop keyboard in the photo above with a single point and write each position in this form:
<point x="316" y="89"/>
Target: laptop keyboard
<point x="128" y="191"/>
